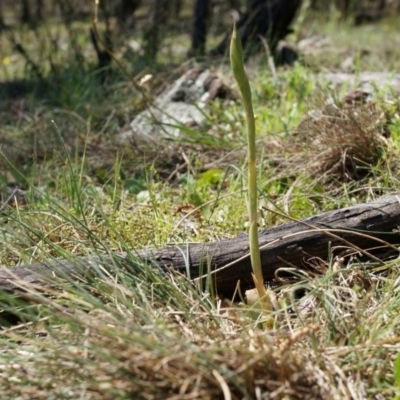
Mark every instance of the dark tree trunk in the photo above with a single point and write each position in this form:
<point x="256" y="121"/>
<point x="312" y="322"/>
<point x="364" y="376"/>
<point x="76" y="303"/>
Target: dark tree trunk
<point x="103" y="55"/>
<point x="291" y="245"/>
<point x="126" y="10"/>
<point x="2" y="25"/>
<point x="177" y="8"/>
<point x="39" y="10"/>
<point x="129" y="6"/>
<point x="152" y="35"/>
<point x="267" y="18"/>
<point x="199" y="31"/>
<point x="381" y="5"/>
<point x="25" y="12"/>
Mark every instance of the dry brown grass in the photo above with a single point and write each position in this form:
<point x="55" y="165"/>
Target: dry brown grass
<point x="137" y="342"/>
<point x="335" y="143"/>
<point x="143" y="337"/>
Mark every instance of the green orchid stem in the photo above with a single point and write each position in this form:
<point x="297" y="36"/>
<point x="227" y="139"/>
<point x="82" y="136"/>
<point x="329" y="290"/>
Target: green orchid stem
<point x="236" y="55"/>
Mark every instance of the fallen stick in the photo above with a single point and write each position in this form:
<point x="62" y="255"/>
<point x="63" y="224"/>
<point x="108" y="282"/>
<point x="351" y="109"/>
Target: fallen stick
<point x="362" y="227"/>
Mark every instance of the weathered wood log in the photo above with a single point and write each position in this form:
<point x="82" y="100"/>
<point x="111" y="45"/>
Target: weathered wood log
<point x="361" y="227"/>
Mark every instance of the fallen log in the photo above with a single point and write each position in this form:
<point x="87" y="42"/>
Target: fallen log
<point x="362" y="227"/>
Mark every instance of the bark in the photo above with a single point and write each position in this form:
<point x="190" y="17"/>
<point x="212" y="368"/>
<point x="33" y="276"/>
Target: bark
<point x="152" y="37"/>
<point x="288" y="245"/>
<point x="199" y="31"/>
<point x="270" y="19"/>
<point x="126" y="10"/>
<point x="25" y="12"/>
